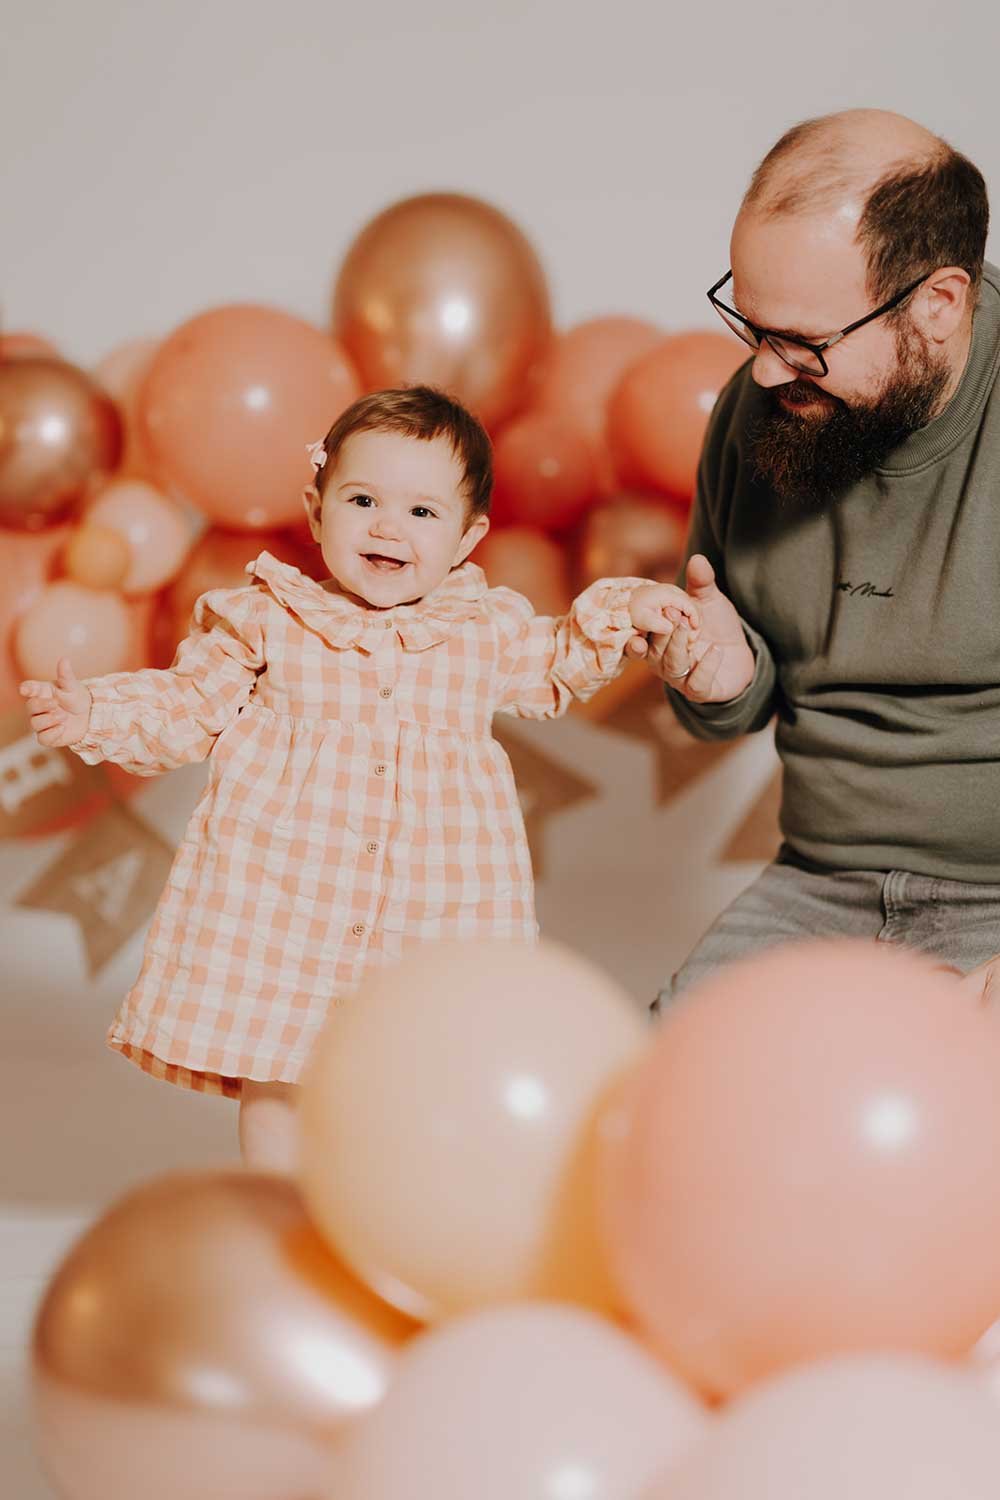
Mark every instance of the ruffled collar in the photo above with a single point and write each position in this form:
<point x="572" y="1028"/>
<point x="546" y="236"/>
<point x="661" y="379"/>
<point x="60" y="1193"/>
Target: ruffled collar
<point x="345" y="624"/>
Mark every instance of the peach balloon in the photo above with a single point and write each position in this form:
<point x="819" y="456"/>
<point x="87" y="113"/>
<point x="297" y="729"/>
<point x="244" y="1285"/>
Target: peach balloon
<point x="871" y="1428"/>
<point x="526" y="560"/>
<point x="544" y="473"/>
<point x="805" y="1164"/>
<point x="121" y="373"/>
<point x="446" y="1122"/>
<point x="27" y="563"/>
<point x="581" y="372"/>
<point x="200" y="1340"/>
<point x="16" y="345"/>
<point x="658" y="415"/>
<point x="631" y="536"/>
<point x="59" y="433"/>
<point x="516" y="1402"/>
<point x="96" y="556"/>
<point x="156" y="531"/>
<point x="228" y="405"/>
<point x="90" y="626"/>
<point x="445" y="289"/>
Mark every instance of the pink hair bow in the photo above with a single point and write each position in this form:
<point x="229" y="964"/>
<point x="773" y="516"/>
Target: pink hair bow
<point x="317" y="454"/>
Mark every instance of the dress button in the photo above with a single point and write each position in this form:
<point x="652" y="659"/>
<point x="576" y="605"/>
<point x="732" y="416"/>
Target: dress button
<point x="381" y="768"/>
<point x="385" y="692"/>
<point x="358" y="929"/>
<point x="372" y="847"/>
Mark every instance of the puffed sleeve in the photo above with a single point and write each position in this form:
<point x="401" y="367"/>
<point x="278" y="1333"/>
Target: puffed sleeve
<point x="152" y="721"/>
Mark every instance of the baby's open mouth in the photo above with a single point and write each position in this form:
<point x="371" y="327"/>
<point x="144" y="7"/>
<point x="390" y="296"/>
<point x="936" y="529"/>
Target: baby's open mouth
<point x="383" y="563"/>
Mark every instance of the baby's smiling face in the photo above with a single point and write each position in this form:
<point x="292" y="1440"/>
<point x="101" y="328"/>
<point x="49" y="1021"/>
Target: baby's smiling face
<point x="394" y="517"/>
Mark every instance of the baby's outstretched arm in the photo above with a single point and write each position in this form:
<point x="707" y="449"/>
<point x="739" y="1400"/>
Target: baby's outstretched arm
<point x="59" y="711"/>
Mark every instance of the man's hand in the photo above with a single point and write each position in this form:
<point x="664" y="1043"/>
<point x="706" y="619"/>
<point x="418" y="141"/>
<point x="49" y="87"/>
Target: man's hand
<point x="60" y="710"/>
<point x="713" y="664"/>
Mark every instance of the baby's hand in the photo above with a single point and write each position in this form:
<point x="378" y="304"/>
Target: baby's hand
<point x="60" y="710"/>
<point x="658" y="608"/>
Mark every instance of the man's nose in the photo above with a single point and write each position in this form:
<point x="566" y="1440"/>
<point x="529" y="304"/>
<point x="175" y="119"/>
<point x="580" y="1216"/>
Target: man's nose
<point x="769" y="369"/>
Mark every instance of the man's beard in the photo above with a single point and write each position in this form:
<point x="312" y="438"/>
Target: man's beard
<point x="814" y="457"/>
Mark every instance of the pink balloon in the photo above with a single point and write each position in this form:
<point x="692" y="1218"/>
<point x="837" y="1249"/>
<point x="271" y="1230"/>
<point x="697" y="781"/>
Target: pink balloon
<point x="805" y="1163"/>
<point x="230" y="402"/>
<point x="121" y="373"/>
<point x="874" y="1428"/>
<point x="659" y="412"/>
<point x="544" y="472"/>
<point x="522" y="1401"/>
<point x="93" y="627"/>
<point x="158" y="533"/>
<point x="581" y="373"/>
<point x="27" y="562"/>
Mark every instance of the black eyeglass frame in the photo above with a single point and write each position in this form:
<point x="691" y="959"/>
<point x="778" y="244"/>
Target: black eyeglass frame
<point x="767" y="335"/>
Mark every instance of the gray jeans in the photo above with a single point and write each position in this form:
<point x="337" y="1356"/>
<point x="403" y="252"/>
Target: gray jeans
<point x="957" y="922"/>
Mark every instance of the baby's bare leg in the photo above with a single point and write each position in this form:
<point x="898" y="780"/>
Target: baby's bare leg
<point x="269" y="1126"/>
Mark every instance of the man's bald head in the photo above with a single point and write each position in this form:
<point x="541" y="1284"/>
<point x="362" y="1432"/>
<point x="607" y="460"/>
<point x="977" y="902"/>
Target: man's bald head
<point x="915" y="203"/>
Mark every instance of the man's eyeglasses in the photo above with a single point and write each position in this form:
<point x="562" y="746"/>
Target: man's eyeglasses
<point x="798" y="354"/>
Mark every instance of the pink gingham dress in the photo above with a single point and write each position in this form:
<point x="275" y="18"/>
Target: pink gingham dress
<point x="357" y="801"/>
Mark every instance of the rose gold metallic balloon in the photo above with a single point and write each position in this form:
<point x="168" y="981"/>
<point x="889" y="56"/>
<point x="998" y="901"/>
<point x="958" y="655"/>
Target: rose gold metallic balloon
<point x="58" y="432"/>
<point x="445" y="289"/>
<point x="631" y="536"/>
<point x="201" y="1341"/>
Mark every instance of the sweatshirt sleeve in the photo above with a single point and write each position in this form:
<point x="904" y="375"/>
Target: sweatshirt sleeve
<point x="153" y="721"/>
<point x="546" y="663"/>
<point x="755" y="706"/>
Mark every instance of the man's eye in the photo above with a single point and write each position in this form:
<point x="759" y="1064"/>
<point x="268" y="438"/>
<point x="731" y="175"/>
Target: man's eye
<point x="363" y="500"/>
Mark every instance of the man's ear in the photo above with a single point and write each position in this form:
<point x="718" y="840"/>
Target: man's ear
<point x="471" y="537"/>
<point x="313" y="502"/>
<point x="944" y="303"/>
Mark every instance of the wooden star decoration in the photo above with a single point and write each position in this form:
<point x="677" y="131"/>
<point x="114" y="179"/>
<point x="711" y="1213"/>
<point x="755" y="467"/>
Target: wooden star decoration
<point x="758" y="836"/>
<point x="545" y="787"/>
<point x="109" y="880"/>
<point x="646" y="716"/>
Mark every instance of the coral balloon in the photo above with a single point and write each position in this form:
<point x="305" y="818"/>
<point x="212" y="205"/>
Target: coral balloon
<point x="58" y="434"/>
<point x="200" y="1340"/>
<point x="520" y="1401"/>
<point x="526" y="560"/>
<point x="631" y="536"/>
<point x="219" y="560"/>
<point x="16" y="345"/>
<point x="446" y="1186"/>
<point x="445" y="289"/>
<point x="121" y="373"/>
<point x="228" y="405"/>
<point x="848" y="1429"/>
<point x="658" y="415"/>
<point x="156" y="531"/>
<point x="96" y="556"/>
<point x="90" y="626"/>
<point x="27" y="563"/>
<point x="544" y="473"/>
<point x="581" y="373"/>
<point x="804" y="1165"/>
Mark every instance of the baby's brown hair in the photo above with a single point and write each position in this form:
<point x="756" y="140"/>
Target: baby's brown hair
<point x="420" y="411"/>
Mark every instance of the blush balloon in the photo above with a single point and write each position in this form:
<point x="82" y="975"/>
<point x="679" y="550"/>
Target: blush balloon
<point x="544" y="473"/>
<point x="90" y="626"/>
<point x="524" y="559"/>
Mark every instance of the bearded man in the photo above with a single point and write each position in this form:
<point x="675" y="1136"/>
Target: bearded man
<point x="845" y="544"/>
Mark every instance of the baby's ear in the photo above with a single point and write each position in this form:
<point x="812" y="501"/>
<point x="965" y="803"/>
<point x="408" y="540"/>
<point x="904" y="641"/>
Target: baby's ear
<point x="312" y="500"/>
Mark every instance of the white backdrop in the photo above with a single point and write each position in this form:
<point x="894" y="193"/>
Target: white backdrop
<point x="159" y="159"/>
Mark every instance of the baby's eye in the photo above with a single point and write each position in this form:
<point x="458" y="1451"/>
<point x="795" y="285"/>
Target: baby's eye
<point x="365" y="501"/>
<point x="422" y="510"/>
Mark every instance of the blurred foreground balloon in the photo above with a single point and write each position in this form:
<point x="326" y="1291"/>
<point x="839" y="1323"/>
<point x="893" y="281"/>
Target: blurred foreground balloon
<point x="445" y="289"/>
<point x="156" y="530"/>
<point x="90" y="626"/>
<point x="848" y="1429"/>
<point x="228" y="404"/>
<point x="200" y="1341"/>
<point x="658" y="415"/>
<point x="465" y="1176"/>
<point x="581" y="372"/>
<point x="529" y="562"/>
<point x="805" y="1163"/>
<point x="518" y="1402"/>
<point x="59" y="433"/>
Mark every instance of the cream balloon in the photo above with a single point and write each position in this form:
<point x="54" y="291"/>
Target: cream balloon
<point x="158" y="533"/>
<point x="92" y="627"/>
<point x="513" y="1403"/>
<point x="448" y="1121"/>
